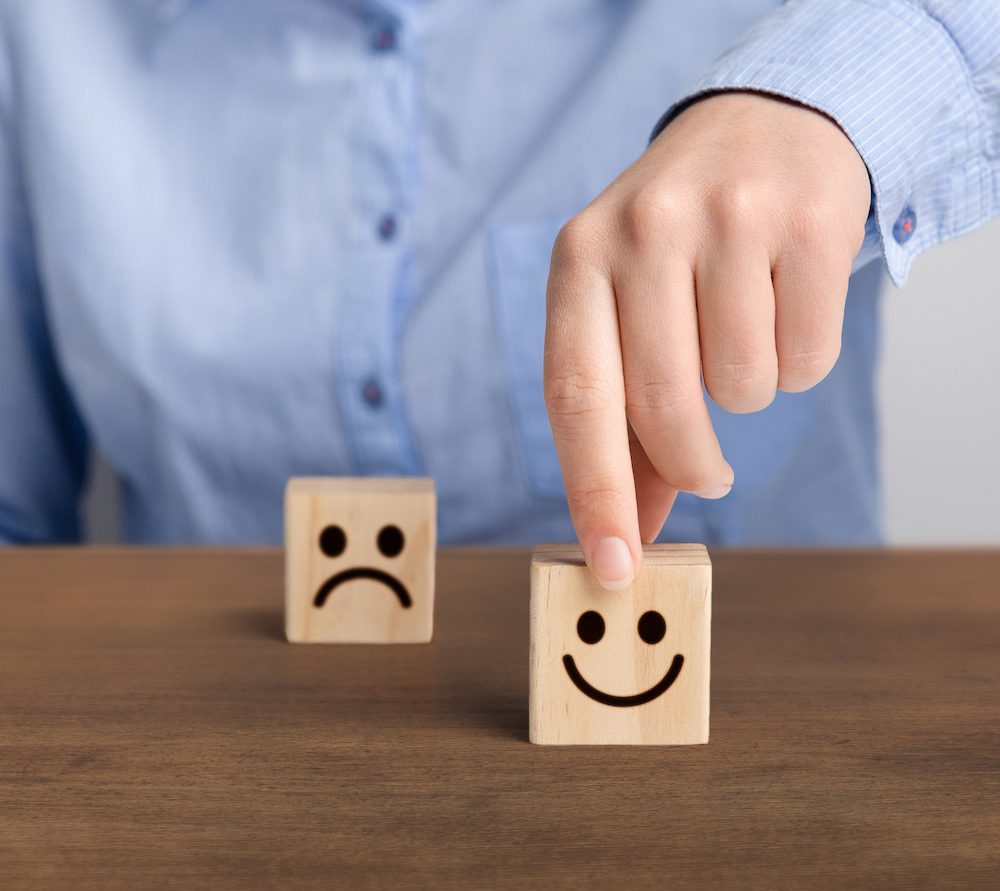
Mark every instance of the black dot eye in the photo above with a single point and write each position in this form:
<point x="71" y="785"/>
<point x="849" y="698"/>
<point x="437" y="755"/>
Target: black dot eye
<point x="590" y="627"/>
<point x="332" y="541"/>
<point x="652" y="627"/>
<point x="391" y="541"/>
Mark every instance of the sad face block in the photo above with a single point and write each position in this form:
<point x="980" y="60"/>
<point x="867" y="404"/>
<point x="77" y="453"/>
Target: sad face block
<point x="620" y="667"/>
<point x="359" y="560"/>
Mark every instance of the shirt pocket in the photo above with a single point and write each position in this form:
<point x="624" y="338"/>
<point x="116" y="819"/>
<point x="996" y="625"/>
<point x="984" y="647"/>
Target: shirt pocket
<point x="518" y="256"/>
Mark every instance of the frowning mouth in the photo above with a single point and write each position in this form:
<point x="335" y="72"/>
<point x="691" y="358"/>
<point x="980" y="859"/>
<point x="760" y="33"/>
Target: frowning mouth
<point x="649" y="695"/>
<point x="364" y="572"/>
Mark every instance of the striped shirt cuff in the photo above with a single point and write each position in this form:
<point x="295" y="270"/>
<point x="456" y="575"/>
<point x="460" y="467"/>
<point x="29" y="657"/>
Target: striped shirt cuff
<point x="900" y="86"/>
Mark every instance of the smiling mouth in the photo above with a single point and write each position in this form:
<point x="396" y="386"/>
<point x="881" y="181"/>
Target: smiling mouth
<point x="364" y="572"/>
<point x="649" y="695"/>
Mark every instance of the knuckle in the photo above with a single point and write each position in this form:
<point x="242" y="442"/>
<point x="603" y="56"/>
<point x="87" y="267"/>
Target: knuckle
<point x="819" y="231"/>
<point x="649" y="217"/>
<point x="736" y="207"/>
<point x="809" y="227"/>
<point x="662" y="400"/>
<point x="575" y="398"/>
<point x="596" y="499"/>
<point x="577" y="243"/>
<point x="742" y="385"/>
<point x="801" y="369"/>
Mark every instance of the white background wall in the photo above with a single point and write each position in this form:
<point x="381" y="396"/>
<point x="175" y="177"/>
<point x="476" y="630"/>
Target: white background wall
<point x="939" y="385"/>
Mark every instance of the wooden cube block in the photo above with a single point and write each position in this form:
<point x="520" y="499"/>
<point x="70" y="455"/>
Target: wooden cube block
<point x="625" y="667"/>
<point x="359" y="560"/>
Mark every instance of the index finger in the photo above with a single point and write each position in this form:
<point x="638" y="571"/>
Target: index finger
<point x="585" y="398"/>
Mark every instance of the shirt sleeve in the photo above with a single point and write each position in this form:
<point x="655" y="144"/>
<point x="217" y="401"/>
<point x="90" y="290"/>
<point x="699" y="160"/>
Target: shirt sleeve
<point x="43" y="449"/>
<point x="915" y="85"/>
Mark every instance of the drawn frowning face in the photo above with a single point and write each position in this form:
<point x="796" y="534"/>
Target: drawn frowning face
<point x="359" y="560"/>
<point x="390" y="542"/>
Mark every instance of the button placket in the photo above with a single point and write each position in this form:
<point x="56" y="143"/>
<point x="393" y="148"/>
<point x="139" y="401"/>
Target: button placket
<point x="367" y="374"/>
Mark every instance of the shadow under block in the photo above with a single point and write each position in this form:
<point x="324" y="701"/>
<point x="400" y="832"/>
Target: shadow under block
<point x="624" y="667"/>
<point x="359" y="559"/>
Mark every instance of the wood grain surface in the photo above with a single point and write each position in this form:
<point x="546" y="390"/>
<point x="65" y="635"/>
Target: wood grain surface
<point x="156" y="730"/>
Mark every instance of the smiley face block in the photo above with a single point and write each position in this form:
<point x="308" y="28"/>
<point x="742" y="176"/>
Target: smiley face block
<point x="359" y="560"/>
<point x="625" y="667"/>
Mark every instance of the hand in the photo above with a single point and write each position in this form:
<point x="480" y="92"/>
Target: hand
<point x="722" y="255"/>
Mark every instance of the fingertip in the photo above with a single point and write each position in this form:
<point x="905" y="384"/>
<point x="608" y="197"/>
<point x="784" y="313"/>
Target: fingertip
<point x="613" y="562"/>
<point x="720" y="489"/>
<point x="713" y="493"/>
<point x="654" y="508"/>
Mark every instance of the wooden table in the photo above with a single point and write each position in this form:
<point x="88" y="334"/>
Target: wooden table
<point x="156" y="729"/>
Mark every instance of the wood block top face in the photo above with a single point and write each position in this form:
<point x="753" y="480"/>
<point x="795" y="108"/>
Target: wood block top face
<point x="622" y="667"/>
<point x="359" y="560"/>
<point x="652" y="555"/>
<point x="361" y="485"/>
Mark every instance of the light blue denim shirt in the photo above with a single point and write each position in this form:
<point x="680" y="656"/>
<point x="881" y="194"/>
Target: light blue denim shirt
<point x="249" y="239"/>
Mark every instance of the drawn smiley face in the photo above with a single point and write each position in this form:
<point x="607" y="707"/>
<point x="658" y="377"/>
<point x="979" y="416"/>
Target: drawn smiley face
<point x="652" y="628"/>
<point x="390" y="542"/>
<point x="602" y="663"/>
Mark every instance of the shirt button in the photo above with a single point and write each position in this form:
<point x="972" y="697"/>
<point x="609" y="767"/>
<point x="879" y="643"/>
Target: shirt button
<point x="906" y="222"/>
<point x="387" y="227"/>
<point x="371" y="393"/>
<point x="384" y="39"/>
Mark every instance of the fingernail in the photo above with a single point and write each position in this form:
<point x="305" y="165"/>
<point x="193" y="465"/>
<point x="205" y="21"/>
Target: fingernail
<point x="715" y="491"/>
<point x="612" y="563"/>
